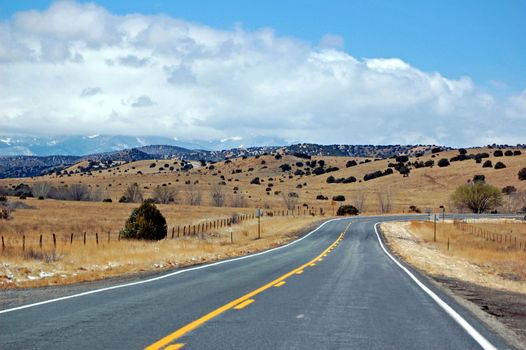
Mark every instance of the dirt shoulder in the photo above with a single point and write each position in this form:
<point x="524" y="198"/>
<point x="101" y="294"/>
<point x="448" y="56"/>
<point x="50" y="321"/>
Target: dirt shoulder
<point x="499" y="302"/>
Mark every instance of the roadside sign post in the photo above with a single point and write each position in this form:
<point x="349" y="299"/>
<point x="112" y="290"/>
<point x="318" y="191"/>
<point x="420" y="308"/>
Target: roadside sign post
<point x="435" y="229"/>
<point x="443" y="213"/>
<point x="258" y="214"/>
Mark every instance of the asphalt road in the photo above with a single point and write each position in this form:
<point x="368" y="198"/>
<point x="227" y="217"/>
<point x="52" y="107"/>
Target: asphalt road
<point x="355" y="297"/>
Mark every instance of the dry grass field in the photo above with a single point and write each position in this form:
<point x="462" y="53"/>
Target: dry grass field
<point x="498" y="263"/>
<point x="74" y="261"/>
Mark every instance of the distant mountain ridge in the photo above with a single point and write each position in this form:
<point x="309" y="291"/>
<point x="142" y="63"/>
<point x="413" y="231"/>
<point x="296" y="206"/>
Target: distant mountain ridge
<point x="71" y="145"/>
<point x="27" y="166"/>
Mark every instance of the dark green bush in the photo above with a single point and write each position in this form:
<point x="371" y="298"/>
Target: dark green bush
<point x="339" y="198"/>
<point x="350" y="163"/>
<point x="443" y="162"/>
<point x="522" y="174"/>
<point x="487" y="164"/>
<point x="499" y="165"/>
<point x="145" y="222"/>
<point x="347" y="210"/>
<point x="480" y="178"/>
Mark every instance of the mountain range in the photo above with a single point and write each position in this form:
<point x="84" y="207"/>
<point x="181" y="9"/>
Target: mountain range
<point x="74" y="145"/>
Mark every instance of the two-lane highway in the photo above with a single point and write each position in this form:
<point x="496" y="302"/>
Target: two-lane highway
<point x="336" y="288"/>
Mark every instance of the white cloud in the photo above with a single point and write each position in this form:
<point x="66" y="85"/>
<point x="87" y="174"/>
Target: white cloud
<point x="193" y="80"/>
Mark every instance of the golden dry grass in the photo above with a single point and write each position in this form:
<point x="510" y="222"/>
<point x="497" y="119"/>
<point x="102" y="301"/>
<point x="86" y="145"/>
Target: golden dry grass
<point x="74" y="262"/>
<point x="469" y="257"/>
<point x="503" y="257"/>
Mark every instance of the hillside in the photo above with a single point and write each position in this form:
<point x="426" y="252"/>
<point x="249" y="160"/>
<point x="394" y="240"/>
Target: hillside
<point x="26" y="166"/>
<point x="261" y="180"/>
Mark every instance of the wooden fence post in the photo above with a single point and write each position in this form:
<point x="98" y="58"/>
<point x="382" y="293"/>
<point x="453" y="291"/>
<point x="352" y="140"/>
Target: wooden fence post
<point x="84" y="238"/>
<point x="54" y="241"/>
<point x="40" y="242"/>
<point x="71" y="238"/>
<point x="24" y="242"/>
<point x="97" y="238"/>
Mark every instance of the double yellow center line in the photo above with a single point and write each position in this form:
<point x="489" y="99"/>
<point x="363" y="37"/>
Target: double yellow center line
<point x="240" y="302"/>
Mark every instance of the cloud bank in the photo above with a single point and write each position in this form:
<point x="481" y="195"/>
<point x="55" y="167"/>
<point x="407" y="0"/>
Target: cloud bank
<point x="76" y="68"/>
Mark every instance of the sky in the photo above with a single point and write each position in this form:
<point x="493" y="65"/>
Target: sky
<point x="355" y="72"/>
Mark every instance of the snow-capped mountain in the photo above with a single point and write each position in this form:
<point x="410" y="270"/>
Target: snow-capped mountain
<point x="82" y="145"/>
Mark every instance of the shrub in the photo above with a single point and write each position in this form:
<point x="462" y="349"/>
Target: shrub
<point x="404" y="171"/>
<point x="436" y="149"/>
<point x="301" y="155"/>
<point x="507" y="190"/>
<point x="429" y="163"/>
<point x="347" y="210"/>
<point x="285" y="167"/>
<point x="331" y="179"/>
<point x="497" y="153"/>
<point x="321" y="197"/>
<point x="123" y="199"/>
<point x="107" y="200"/>
<point x="522" y="174"/>
<point x="414" y="209"/>
<point x="349" y="180"/>
<point x="517" y="153"/>
<point x="277" y="156"/>
<point x="339" y="198"/>
<point x="487" y="164"/>
<point x="255" y="181"/>
<point x="402" y="159"/>
<point x="145" y="222"/>
<point x="508" y="153"/>
<point x="318" y="171"/>
<point x="499" y="165"/>
<point x="3" y="199"/>
<point x="443" y="163"/>
<point x="350" y="163"/>
<point x="462" y="151"/>
<point x="480" y="178"/>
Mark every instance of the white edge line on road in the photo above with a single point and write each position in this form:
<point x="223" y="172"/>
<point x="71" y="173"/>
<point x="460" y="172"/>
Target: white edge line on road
<point x="479" y="338"/>
<point x="166" y="275"/>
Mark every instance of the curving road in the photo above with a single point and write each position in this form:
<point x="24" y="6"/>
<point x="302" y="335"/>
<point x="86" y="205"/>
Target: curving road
<point x="336" y="288"/>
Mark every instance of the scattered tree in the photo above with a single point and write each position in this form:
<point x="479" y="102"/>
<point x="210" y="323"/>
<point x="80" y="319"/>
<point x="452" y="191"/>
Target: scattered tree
<point x="164" y="194"/>
<point x="194" y="195"/>
<point x="359" y="201"/>
<point x="133" y="193"/>
<point x="218" y="196"/>
<point x="384" y="202"/>
<point x="290" y="199"/>
<point x="41" y="189"/>
<point x="478" y="197"/>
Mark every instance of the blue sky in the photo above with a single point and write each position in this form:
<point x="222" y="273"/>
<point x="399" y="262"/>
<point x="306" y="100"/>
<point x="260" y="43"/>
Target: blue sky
<point x="484" y="39"/>
<point x="356" y="72"/>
